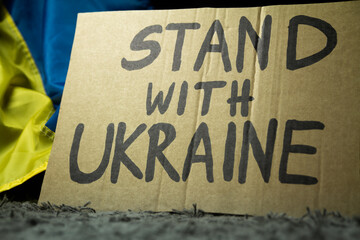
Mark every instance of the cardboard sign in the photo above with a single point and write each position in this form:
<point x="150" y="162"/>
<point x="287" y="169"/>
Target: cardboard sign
<point x="237" y="110"/>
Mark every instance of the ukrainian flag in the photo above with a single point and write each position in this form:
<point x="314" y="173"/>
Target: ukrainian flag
<point x="35" y="43"/>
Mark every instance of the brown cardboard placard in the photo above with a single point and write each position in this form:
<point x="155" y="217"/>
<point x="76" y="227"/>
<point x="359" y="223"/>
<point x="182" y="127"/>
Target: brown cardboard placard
<point x="164" y="109"/>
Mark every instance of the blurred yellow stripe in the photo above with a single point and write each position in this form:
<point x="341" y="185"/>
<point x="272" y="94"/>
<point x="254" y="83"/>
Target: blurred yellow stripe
<point x="25" y="142"/>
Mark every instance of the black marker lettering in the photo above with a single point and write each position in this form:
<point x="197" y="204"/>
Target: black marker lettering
<point x="208" y="87"/>
<point x="264" y="160"/>
<point x="208" y="47"/>
<point x="202" y="133"/>
<point x="138" y="44"/>
<point x="182" y="98"/>
<point x="292" y="125"/>
<point x="244" y="99"/>
<point x="180" y="27"/>
<point x="261" y="45"/>
<point x="158" y="101"/>
<point x="75" y="173"/>
<point x="228" y="167"/>
<point x="156" y="151"/>
<point x="292" y="63"/>
<point x="121" y="156"/>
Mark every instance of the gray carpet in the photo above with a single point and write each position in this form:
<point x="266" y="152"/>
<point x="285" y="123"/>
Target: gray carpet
<point x="27" y="220"/>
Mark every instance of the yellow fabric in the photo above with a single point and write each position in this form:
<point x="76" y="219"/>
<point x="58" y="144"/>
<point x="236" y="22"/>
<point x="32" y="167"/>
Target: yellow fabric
<point x="25" y="142"/>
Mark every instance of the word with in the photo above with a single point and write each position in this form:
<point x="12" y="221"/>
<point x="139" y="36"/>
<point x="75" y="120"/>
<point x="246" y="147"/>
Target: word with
<point x="208" y="87"/>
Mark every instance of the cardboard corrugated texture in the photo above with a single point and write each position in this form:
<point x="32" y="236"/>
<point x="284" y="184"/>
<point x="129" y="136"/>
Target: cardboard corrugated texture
<point x="237" y="110"/>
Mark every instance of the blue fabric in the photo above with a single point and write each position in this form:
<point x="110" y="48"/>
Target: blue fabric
<point x="48" y="27"/>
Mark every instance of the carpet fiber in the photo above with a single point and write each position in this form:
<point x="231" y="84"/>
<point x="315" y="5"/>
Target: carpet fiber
<point x="27" y="220"/>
